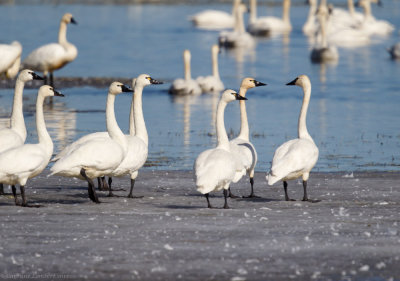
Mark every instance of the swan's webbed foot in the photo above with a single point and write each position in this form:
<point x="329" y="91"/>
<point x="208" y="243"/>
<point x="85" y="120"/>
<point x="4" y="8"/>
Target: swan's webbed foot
<point x="91" y="191"/>
<point x="131" y="190"/>
<point x="30" y="206"/>
<point x="252" y="195"/>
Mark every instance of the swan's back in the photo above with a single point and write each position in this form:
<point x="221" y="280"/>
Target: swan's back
<point x="181" y="87"/>
<point x="292" y="159"/>
<point x="9" y="139"/>
<point x="245" y="151"/>
<point x="9" y="54"/>
<point x="210" y="83"/>
<point x="213" y="19"/>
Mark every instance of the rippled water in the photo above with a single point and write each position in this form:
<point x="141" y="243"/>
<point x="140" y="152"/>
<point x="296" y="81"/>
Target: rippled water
<point x="354" y="111"/>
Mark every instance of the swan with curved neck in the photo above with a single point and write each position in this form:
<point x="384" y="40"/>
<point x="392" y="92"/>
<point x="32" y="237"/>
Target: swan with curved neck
<point x="297" y="157"/>
<point x="99" y="156"/>
<point x="51" y="57"/>
<point x="21" y="163"/>
<point x="216" y="168"/>
<point x="186" y="86"/>
<point x="241" y="146"/>
<point x="212" y="83"/>
<point x="10" y="59"/>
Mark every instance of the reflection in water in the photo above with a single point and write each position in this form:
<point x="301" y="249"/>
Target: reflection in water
<point x="242" y="55"/>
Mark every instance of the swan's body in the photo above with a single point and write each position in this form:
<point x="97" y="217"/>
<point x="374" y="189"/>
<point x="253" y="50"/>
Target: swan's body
<point x="216" y="168"/>
<point x="296" y="158"/>
<point x="212" y="83"/>
<point x="10" y="59"/>
<point x="394" y="51"/>
<point x="275" y="25"/>
<point x="21" y="163"/>
<point x="241" y="146"/>
<point x="238" y="37"/>
<point x="258" y="26"/>
<point x="99" y="156"/>
<point x="310" y="27"/>
<point x="185" y="86"/>
<point x="214" y="19"/>
<point x="372" y="26"/>
<point x="53" y="56"/>
<point x="341" y="18"/>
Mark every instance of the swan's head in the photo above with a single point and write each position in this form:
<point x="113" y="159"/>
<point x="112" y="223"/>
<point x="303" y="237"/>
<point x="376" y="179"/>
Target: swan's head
<point x="231" y="95"/>
<point x="248" y="83"/>
<point x="28" y="75"/>
<point x="118" y="88"/>
<point x="186" y="55"/>
<point x="68" y="18"/>
<point x="145" y="80"/>
<point x="300" y="81"/>
<point x="215" y="49"/>
<point x="48" y="91"/>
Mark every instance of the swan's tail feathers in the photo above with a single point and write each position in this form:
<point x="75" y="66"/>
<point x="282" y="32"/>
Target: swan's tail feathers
<point x="271" y="178"/>
<point x="238" y="175"/>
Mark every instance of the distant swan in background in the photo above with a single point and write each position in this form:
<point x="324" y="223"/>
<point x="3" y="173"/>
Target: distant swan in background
<point x="10" y="59"/>
<point x="215" y="169"/>
<point x="394" y="51"/>
<point x="21" y="163"/>
<point x="310" y="27"/>
<point x="341" y="18"/>
<point x="275" y="25"/>
<point x="16" y="134"/>
<point x="297" y="157"/>
<point x="370" y="25"/>
<point x="241" y="146"/>
<point x="212" y="83"/>
<point x="186" y="86"/>
<point x="100" y="156"/>
<point x="258" y="26"/>
<point x="215" y="19"/>
<point x="51" y="57"/>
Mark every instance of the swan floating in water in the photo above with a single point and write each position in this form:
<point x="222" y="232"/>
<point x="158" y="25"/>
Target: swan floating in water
<point x="215" y="19"/>
<point x="297" y="157"/>
<point x="241" y="146"/>
<point x="275" y="25"/>
<point x="212" y="83"/>
<point x="51" y="57"/>
<point x="99" y="156"/>
<point x="216" y="168"/>
<point x="21" y="163"/>
<point x="372" y="26"/>
<point x="186" y="86"/>
<point x="10" y="59"/>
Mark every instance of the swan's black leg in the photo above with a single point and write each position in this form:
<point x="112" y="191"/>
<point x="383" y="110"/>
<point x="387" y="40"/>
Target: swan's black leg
<point x="252" y="195"/>
<point x="226" y="199"/>
<point x="286" y="194"/>
<point x="99" y="183"/>
<point x="305" y="197"/>
<point x="24" y="203"/>
<point x="51" y="79"/>
<point x="14" y="192"/>
<point x="208" y="201"/>
<point x="45" y="79"/>
<point x="110" y="194"/>
<point x="2" y="189"/>
<point x="91" y="190"/>
<point x="130" y="192"/>
<point x="231" y="195"/>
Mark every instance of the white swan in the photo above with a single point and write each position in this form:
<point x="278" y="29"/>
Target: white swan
<point x="310" y="27"/>
<point x="215" y="169"/>
<point x="322" y="52"/>
<point x="241" y="146"/>
<point x="215" y="19"/>
<point x="212" y="83"/>
<point x="21" y="163"/>
<point x="186" y="86"/>
<point x="257" y="26"/>
<point x="297" y="157"/>
<point x="238" y="37"/>
<point x="10" y="59"/>
<point x="100" y="156"/>
<point x="345" y="18"/>
<point x="275" y="25"/>
<point x="51" y="57"/>
<point x="372" y="26"/>
<point x="394" y="51"/>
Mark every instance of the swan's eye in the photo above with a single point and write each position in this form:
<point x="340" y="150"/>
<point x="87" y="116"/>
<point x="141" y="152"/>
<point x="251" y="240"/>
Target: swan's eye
<point x="148" y="78"/>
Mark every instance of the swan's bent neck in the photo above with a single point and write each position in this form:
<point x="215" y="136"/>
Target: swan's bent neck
<point x="43" y="136"/>
<point x="222" y="137"/>
<point x="62" y="33"/>
<point x="140" y="125"/>
<point x="17" y="115"/>
<point x="286" y="11"/>
<point x="112" y="126"/>
<point x="302" y="126"/>
<point x="244" y="124"/>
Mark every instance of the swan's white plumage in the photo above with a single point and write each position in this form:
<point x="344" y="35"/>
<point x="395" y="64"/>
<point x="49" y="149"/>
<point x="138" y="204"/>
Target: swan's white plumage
<point x="276" y="25"/>
<point x="212" y="83"/>
<point x="10" y="59"/>
<point x="370" y="24"/>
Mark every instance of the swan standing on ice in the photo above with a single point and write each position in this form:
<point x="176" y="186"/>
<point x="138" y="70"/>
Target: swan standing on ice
<point x="51" y="57"/>
<point x="241" y="146"/>
<point x="216" y="168"/>
<point x="10" y="59"/>
<point x="16" y="134"/>
<point x="214" y="19"/>
<point x="99" y="156"/>
<point x="21" y="163"/>
<point x="297" y="157"/>
<point x="186" y="86"/>
<point x="212" y="83"/>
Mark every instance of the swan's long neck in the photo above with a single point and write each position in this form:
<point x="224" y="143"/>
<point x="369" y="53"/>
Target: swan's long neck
<point x="302" y="126"/>
<point x="367" y="10"/>
<point x="222" y="137"/>
<point x="215" y="70"/>
<point x="188" y="75"/>
<point x="235" y="7"/>
<point x="253" y="11"/>
<point x="132" y="130"/>
<point x="311" y="12"/>
<point x="62" y="33"/>
<point x="286" y="11"/>
<point x="17" y="115"/>
<point x="43" y="136"/>
<point x="112" y="126"/>
<point x="140" y="125"/>
<point x="350" y="6"/>
<point x="244" y="124"/>
<point x="322" y="18"/>
<point x="240" y="21"/>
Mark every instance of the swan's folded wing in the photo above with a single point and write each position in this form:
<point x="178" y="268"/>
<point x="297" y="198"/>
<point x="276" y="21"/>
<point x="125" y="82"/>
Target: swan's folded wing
<point x="23" y="159"/>
<point x="45" y="55"/>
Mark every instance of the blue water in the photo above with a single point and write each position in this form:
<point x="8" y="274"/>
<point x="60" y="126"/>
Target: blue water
<point x="354" y="111"/>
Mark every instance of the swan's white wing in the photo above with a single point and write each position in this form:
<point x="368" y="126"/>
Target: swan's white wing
<point x="49" y="56"/>
<point x="135" y="157"/>
<point x="245" y="151"/>
<point x="185" y="87"/>
<point x="9" y="139"/>
<point x="213" y="19"/>
<point x="210" y="84"/>
<point x="9" y="53"/>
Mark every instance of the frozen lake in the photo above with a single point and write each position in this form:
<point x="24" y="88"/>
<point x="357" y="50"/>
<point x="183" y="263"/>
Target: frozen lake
<point x="353" y="115"/>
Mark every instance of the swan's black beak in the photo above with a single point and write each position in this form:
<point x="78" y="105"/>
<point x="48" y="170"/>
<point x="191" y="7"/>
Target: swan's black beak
<point x="73" y="21"/>
<point x="154" y="81"/>
<point x="126" y="89"/>
<point x="57" y="93"/>
<point x="239" y="97"/>
<point x="36" y="77"/>
<point x="292" y="83"/>
<point x="258" y="83"/>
